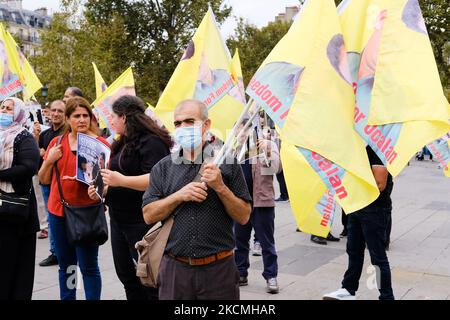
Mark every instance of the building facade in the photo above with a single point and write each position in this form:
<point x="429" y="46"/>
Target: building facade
<point x="289" y="14"/>
<point x="25" y="25"/>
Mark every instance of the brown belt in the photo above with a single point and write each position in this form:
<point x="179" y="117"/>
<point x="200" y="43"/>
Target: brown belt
<point x="205" y="260"/>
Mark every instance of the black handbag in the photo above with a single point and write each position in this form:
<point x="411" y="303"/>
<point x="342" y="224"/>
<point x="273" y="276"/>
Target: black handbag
<point x="86" y="225"/>
<point x="14" y="207"/>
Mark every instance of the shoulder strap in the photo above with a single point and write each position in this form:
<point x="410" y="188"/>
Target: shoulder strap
<point x="58" y="178"/>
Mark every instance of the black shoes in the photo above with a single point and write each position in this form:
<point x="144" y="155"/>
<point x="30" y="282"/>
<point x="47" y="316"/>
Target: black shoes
<point x="318" y="240"/>
<point x="243" y="281"/>
<point x="280" y="199"/>
<point x="330" y="237"/>
<point x="51" y="260"/>
<point x="343" y="233"/>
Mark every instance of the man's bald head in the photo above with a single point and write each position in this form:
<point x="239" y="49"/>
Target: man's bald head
<point x="72" y="92"/>
<point x="193" y="106"/>
<point x="192" y="113"/>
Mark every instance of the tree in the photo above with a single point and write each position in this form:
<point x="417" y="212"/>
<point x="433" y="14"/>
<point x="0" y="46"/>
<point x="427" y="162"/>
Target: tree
<point x="148" y="35"/>
<point x="55" y="66"/>
<point x="156" y="34"/>
<point x="437" y="18"/>
<point x="68" y="53"/>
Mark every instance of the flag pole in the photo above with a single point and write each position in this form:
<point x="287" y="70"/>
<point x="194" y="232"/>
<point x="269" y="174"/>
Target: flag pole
<point x="222" y="153"/>
<point x="243" y="130"/>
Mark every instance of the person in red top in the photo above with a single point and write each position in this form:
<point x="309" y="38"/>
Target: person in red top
<point x="78" y="119"/>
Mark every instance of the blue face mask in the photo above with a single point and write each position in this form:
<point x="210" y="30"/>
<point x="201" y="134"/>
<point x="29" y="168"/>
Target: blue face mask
<point x="6" y="120"/>
<point x="189" y="138"/>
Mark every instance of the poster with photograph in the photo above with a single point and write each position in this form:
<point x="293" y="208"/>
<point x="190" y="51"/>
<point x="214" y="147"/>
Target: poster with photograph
<point x="92" y="157"/>
<point x="36" y="115"/>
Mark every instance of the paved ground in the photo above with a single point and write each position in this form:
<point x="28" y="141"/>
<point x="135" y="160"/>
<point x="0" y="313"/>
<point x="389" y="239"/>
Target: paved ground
<point x="419" y="255"/>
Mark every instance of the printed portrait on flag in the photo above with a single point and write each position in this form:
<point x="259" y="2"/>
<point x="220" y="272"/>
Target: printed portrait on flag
<point x="412" y="17"/>
<point x="7" y="75"/>
<point x="104" y="107"/>
<point x="209" y="81"/>
<point x="22" y="76"/>
<point x="337" y="54"/>
<point x="122" y="91"/>
<point x="369" y="56"/>
<point x="276" y="85"/>
<point x="238" y="92"/>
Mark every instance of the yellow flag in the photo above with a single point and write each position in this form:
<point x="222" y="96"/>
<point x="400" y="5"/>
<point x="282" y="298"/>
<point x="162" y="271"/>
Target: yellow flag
<point x="27" y="76"/>
<point x="10" y="83"/>
<point x="400" y="102"/>
<point x="204" y="73"/>
<point x="124" y="85"/>
<point x="304" y="85"/>
<point x="100" y="84"/>
<point x="150" y="111"/>
<point x="236" y="72"/>
<point x="313" y="205"/>
<point x="100" y="87"/>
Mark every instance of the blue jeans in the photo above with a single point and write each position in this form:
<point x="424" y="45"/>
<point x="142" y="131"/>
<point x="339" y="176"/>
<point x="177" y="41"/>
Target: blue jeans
<point x="86" y="257"/>
<point x="262" y="220"/>
<point x="46" y="194"/>
<point x="368" y="226"/>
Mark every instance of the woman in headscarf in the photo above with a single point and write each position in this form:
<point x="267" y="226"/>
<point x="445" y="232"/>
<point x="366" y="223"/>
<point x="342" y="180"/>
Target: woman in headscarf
<point x="19" y="161"/>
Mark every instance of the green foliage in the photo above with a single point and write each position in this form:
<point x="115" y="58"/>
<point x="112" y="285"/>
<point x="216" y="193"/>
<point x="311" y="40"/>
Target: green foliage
<point x="148" y="35"/>
<point x="437" y="18"/>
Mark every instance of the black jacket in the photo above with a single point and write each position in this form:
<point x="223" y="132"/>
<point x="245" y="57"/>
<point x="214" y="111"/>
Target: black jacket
<point x="24" y="167"/>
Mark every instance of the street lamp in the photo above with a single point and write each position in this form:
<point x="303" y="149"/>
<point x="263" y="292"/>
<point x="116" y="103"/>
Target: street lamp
<point x="44" y="93"/>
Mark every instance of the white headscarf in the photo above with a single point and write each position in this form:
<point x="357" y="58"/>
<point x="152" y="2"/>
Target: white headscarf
<point x="7" y="136"/>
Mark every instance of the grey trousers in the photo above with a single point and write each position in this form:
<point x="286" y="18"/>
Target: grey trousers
<point x="216" y="281"/>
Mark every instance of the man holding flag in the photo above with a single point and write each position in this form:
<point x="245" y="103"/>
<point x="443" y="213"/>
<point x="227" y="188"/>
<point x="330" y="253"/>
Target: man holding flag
<point x="198" y="262"/>
<point x="315" y="123"/>
<point x="369" y="226"/>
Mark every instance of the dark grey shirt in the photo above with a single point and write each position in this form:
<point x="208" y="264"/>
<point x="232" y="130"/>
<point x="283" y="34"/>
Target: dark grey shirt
<point x="199" y="229"/>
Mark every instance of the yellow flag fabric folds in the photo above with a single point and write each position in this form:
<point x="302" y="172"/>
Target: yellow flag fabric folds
<point x="204" y="73"/>
<point x="304" y="85"/>
<point x="27" y="76"/>
<point x="313" y="205"/>
<point x="10" y="83"/>
<point x="100" y="84"/>
<point x="400" y="102"/>
<point x="124" y="85"/>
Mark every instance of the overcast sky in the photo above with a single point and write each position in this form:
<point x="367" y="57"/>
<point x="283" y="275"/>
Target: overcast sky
<point x="258" y="12"/>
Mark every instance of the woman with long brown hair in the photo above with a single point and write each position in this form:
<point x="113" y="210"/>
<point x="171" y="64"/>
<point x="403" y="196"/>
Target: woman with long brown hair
<point x="78" y="119"/>
<point x="141" y="145"/>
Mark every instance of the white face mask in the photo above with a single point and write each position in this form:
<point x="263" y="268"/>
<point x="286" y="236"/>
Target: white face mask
<point x="189" y="138"/>
<point x="6" y="120"/>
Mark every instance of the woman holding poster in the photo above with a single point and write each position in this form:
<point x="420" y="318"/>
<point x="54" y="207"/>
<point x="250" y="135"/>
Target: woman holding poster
<point x="141" y="145"/>
<point x="62" y="151"/>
